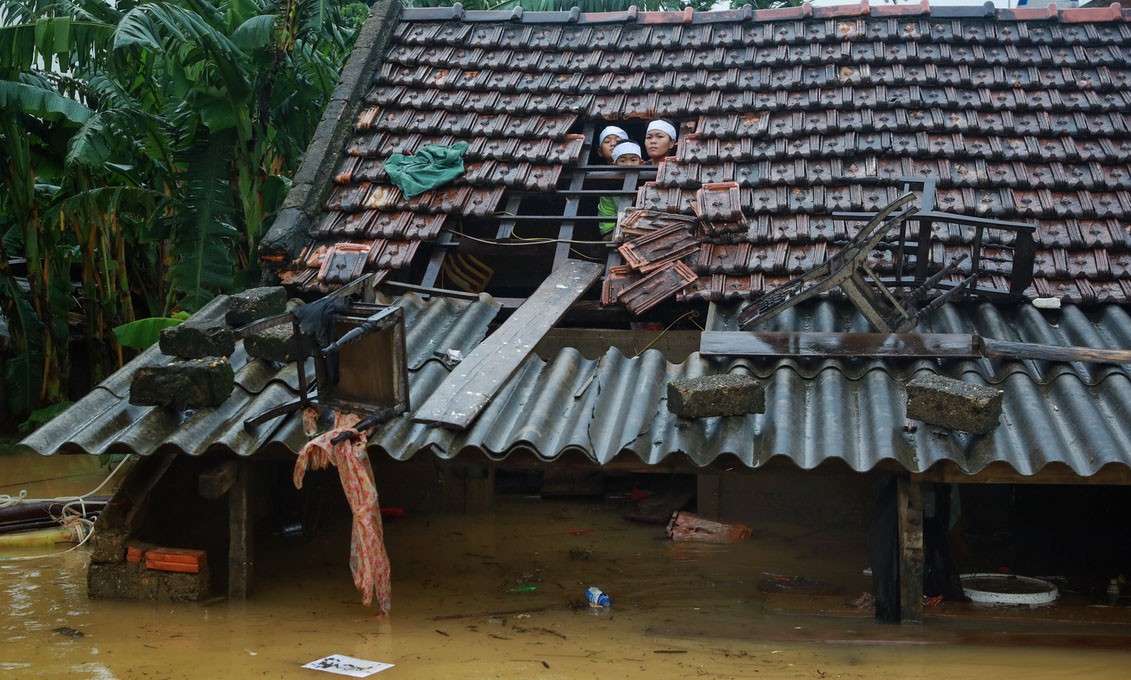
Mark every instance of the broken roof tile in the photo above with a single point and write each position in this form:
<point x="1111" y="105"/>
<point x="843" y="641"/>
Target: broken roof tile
<point x="616" y="281"/>
<point x="657" y="248"/>
<point x="656" y="287"/>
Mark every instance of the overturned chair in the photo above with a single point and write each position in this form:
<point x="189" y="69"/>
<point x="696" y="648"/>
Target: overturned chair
<point x="359" y="358"/>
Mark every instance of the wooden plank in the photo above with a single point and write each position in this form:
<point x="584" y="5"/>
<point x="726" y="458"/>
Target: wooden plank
<point x="565" y="228"/>
<point x="1001" y="472"/>
<point x="895" y="345"/>
<point x="216" y="482"/>
<point x="709" y="496"/>
<point x="241" y="546"/>
<point x="782" y="344"/>
<point x="474" y="382"/>
<point x="1030" y="350"/>
<point x="910" y="506"/>
<point x="594" y="342"/>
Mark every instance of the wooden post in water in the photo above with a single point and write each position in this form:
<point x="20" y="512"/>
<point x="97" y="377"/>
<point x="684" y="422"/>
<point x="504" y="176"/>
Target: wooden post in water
<point x="910" y="505"/>
<point x="709" y="496"/>
<point x="241" y="547"/>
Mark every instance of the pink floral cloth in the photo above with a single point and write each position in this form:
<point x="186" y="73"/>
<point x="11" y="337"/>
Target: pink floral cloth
<point x="368" y="560"/>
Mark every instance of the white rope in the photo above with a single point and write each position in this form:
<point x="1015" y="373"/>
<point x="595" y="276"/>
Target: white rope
<point x="7" y="501"/>
<point x="75" y="520"/>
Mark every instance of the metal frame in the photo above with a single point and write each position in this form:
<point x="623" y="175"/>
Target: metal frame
<point x="366" y="319"/>
<point x="873" y="295"/>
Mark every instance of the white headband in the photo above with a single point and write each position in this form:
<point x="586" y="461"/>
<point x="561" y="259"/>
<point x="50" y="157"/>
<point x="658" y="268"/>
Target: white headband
<point x="662" y="126"/>
<point x="612" y="130"/>
<point x="625" y="147"/>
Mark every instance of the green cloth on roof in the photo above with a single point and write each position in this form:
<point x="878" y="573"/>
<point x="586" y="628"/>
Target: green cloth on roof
<point x="608" y="206"/>
<point x="430" y="167"/>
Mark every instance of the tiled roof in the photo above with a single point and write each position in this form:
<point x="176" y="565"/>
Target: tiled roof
<point x="1020" y="115"/>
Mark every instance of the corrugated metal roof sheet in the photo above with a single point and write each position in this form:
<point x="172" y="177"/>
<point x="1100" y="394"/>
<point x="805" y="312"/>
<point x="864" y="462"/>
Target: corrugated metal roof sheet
<point x="104" y="421"/>
<point x="605" y="406"/>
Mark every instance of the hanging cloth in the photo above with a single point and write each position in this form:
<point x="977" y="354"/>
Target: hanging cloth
<point x="369" y="562"/>
<point x="429" y="168"/>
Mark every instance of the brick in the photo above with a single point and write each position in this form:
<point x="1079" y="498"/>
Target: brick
<point x="194" y="383"/>
<point x="255" y="303"/>
<point x="716" y="395"/>
<point x="196" y="339"/>
<point x="954" y="404"/>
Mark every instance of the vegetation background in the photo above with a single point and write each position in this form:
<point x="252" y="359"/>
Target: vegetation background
<point x="144" y="150"/>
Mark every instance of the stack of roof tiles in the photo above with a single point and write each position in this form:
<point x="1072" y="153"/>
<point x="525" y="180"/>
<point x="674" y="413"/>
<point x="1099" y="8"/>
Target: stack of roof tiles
<point x="1015" y="114"/>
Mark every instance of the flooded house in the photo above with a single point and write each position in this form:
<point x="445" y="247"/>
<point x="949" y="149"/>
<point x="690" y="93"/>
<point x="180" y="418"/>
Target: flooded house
<point x="891" y="242"/>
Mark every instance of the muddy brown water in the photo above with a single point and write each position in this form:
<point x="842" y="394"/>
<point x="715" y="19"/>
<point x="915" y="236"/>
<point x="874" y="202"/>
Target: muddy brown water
<point x="679" y="610"/>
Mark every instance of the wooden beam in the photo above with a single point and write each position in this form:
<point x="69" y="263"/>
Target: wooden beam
<point x="436" y="261"/>
<point x="910" y="505"/>
<point x="565" y="228"/>
<point x="594" y="342"/>
<point x="216" y="482"/>
<point x="1000" y="472"/>
<point x="127" y="511"/>
<point x="784" y="344"/>
<point x="894" y="345"/>
<point x="475" y="381"/>
<point x="241" y="548"/>
<point x="709" y="495"/>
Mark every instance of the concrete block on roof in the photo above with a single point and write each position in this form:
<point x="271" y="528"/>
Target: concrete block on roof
<point x="954" y="404"/>
<point x="180" y="385"/>
<point x="278" y="343"/>
<point x="716" y="395"/>
<point x="255" y="303"/>
<point x="196" y="339"/>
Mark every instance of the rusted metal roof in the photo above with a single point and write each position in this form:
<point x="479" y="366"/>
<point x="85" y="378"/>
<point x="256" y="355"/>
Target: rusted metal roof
<point x="1015" y="114"/>
<point x="606" y="406"/>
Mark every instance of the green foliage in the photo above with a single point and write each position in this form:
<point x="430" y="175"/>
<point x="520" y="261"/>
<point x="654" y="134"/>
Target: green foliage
<point x="201" y="238"/>
<point x="39" y="101"/>
<point x="147" y="145"/>
<point x="144" y="333"/>
<point x="354" y="15"/>
<point x="40" y="416"/>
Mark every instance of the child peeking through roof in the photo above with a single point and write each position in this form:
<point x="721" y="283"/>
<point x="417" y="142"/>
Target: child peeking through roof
<point x="659" y="140"/>
<point x="625" y="153"/>
<point x="608" y="140"/>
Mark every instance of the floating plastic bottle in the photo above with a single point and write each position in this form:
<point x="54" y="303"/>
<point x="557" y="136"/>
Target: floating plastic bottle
<point x="597" y="598"/>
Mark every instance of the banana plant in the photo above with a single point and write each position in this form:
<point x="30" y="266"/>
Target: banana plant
<point x="148" y="144"/>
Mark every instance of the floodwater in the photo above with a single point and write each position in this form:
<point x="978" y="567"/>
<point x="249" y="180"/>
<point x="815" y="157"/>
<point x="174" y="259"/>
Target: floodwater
<point x="679" y="609"/>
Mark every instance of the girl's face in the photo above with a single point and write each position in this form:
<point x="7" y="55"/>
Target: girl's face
<point x="658" y="144"/>
<point x="607" y="145"/>
<point x="629" y="159"/>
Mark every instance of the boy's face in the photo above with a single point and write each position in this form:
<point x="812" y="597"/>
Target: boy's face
<point x="628" y="159"/>
<point x="607" y="145"/>
<point x="657" y="143"/>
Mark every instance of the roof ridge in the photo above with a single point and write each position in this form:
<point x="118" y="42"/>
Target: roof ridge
<point x="1112" y="12"/>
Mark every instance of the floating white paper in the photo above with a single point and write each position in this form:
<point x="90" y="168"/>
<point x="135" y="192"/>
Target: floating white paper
<point x="348" y="665"/>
